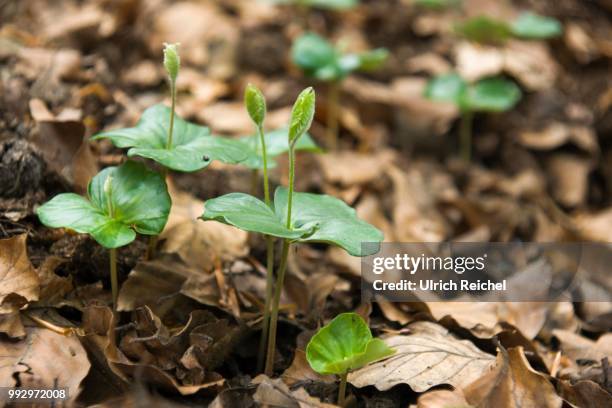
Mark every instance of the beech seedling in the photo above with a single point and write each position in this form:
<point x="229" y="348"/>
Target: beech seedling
<point x="487" y="95"/>
<point x="528" y="26"/>
<point x="325" y="62"/>
<point x="344" y="345"/>
<point x="320" y="4"/>
<point x="121" y="202"/>
<point x="293" y="217"/>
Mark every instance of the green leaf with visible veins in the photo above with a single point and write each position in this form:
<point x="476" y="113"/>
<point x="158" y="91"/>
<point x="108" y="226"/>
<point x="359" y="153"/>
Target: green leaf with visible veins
<point x="315" y="218"/>
<point x="139" y="199"/>
<point x="193" y="148"/>
<point x="277" y="143"/>
<point x="344" y="344"/>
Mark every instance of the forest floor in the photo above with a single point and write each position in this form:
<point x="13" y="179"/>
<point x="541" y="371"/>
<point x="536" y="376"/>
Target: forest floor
<point x="188" y="328"/>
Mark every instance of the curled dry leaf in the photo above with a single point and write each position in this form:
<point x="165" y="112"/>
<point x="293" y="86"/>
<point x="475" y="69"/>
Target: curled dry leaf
<point x="349" y="168"/>
<point x="512" y="383"/>
<point x="44" y="359"/>
<point x="428" y="356"/>
<point x="19" y="282"/>
<point x="556" y="134"/>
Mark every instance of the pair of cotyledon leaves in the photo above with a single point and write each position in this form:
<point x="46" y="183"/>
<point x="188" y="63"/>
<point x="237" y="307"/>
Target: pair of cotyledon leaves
<point x="314" y="218"/>
<point x="138" y="198"/>
<point x="345" y="344"/>
<point x="486" y="95"/>
<point x="193" y="147"/>
<point x="141" y="203"/>
<point x="320" y="59"/>
<point x="528" y="26"/>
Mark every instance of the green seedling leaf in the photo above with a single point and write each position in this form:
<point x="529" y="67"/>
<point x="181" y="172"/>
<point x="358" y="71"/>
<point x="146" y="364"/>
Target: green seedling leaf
<point x="322" y="4"/>
<point x="320" y="59"/>
<point x="492" y="95"/>
<point x="483" y="29"/>
<point x="255" y="104"/>
<point x="138" y="199"/>
<point x="193" y="147"/>
<point x="343" y="345"/>
<point x="315" y="218"/>
<point x="317" y="57"/>
<point x="486" y="95"/>
<point x="334" y="221"/>
<point x="437" y="4"/>
<point x="277" y="143"/>
<point x="446" y="88"/>
<point x="302" y="115"/>
<point x="172" y="61"/>
<point x="533" y="26"/>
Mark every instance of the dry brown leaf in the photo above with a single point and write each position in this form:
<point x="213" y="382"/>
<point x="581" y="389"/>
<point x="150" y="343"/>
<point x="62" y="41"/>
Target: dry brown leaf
<point x="300" y="370"/>
<point x="350" y="168"/>
<point x="414" y="214"/>
<point x="512" y="383"/>
<point x="531" y="63"/>
<point x="64" y="146"/>
<point x="569" y="176"/>
<point x="585" y="394"/>
<point x="475" y="61"/>
<point x="11" y="325"/>
<point x="443" y="398"/>
<point x="578" y="347"/>
<point x="428" y="356"/>
<point x="595" y="226"/>
<point x="200" y="244"/>
<point x="19" y="282"/>
<point x="556" y="134"/>
<point x="274" y="393"/>
<point x="44" y="359"/>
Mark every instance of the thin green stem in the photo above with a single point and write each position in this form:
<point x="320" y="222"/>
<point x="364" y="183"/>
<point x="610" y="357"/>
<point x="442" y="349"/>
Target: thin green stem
<point x="264" y="155"/>
<point x="282" y="269"/>
<point x="465" y="135"/>
<point x="275" y="303"/>
<point x="269" y="256"/>
<point x="170" y="128"/>
<point x="113" y="276"/>
<point x="291" y="182"/>
<point x="333" y="111"/>
<point x="342" y="389"/>
<point x="265" y="325"/>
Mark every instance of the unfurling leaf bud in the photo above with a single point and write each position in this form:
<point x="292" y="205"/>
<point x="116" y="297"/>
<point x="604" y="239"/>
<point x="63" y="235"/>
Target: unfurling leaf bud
<point x="172" y="60"/>
<point x="302" y="115"/>
<point x="255" y="104"/>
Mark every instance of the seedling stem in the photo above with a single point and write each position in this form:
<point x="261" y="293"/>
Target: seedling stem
<point x="269" y="257"/>
<point x="465" y="134"/>
<point x="108" y="189"/>
<point x="342" y="389"/>
<point x="280" y="279"/>
<point x="170" y="128"/>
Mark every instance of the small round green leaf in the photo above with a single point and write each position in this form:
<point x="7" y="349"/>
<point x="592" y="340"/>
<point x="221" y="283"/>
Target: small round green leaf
<point x="483" y="29"/>
<point x="138" y="197"/>
<point x="437" y="4"/>
<point x="344" y="344"/>
<point x="193" y="147"/>
<point x="492" y="95"/>
<point x="446" y="88"/>
<point x="317" y="57"/>
<point x="255" y="104"/>
<point x="302" y="114"/>
<point x="533" y="26"/>
<point x="172" y="60"/>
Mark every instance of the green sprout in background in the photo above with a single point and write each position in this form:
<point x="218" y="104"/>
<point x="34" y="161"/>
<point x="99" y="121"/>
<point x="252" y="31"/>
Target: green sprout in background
<point x="486" y="95"/>
<point x="437" y="4"/>
<point x="344" y="345"/>
<point x="293" y="217"/>
<point x="528" y="26"/>
<point x="174" y="143"/>
<point x="321" y="4"/>
<point x="121" y="202"/>
<point x="320" y="59"/>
